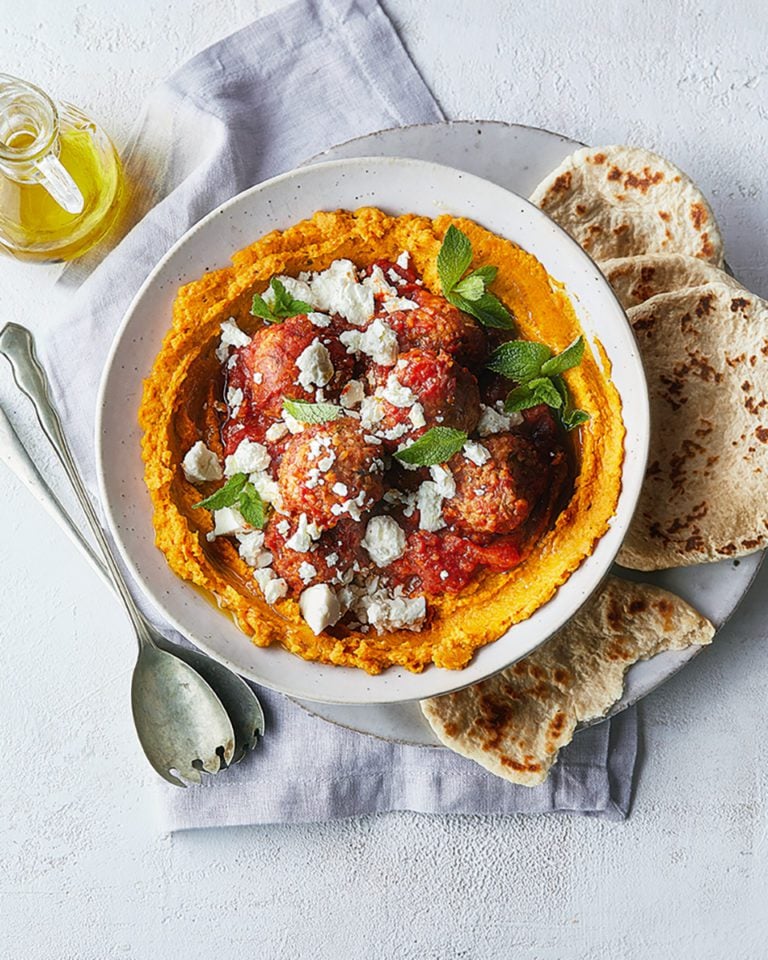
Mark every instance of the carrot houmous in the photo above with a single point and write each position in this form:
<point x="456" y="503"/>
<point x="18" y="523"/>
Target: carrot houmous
<point x="303" y="402"/>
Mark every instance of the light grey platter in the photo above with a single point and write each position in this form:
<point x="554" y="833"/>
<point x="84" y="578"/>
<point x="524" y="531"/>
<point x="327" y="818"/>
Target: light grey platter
<point x="518" y="157"/>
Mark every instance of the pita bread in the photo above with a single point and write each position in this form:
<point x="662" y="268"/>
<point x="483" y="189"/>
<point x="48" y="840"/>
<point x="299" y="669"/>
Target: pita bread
<point x="637" y="279"/>
<point x="705" y="495"/>
<point x="515" y="723"/>
<point x="623" y="201"/>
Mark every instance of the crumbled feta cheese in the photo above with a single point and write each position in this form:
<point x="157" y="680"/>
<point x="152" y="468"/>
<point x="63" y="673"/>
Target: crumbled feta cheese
<point x="315" y="367"/>
<point x="332" y="559"/>
<point x="352" y="395"/>
<point x="267" y="488"/>
<point x="252" y="550"/>
<point x="277" y="431"/>
<point x="200" y="464"/>
<point x="444" y="574"/>
<point x="327" y="462"/>
<point x="387" y="611"/>
<point x="272" y="586"/>
<point x="492" y="421"/>
<point x="378" y="341"/>
<point x="303" y="537"/>
<point x="416" y="415"/>
<point x="384" y="540"/>
<point x="394" y="304"/>
<point x="231" y="336"/>
<point x="283" y="527"/>
<point x="430" y="504"/>
<point x="226" y="522"/>
<point x="371" y="412"/>
<point x="319" y="319"/>
<point x="338" y="290"/>
<point x="234" y="399"/>
<point x="378" y="283"/>
<point x="297" y="288"/>
<point x="340" y="488"/>
<point x="394" y="433"/>
<point x="319" y="607"/>
<point x="294" y="425"/>
<point x="258" y="378"/>
<point x="396" y="394"/>
<point x="307" y="572"/>
<point x="476" y="453"/>
<point x="403" y="260"/>
<point x="249" y="457"/>
<point x="444" y="481"/>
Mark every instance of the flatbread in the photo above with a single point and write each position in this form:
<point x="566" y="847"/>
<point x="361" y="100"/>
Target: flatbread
<point x="515" y="723"/>
<point x="705" y="495"/>
<point x="621" y="201"/>
<point x="637" y="279"/>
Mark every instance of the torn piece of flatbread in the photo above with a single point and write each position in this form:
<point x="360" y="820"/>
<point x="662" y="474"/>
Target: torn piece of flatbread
<point x="515" y="723"/>
<point x="637" y="279"/>
<point x="621" y="201"/>
<point x="705" y="493"/>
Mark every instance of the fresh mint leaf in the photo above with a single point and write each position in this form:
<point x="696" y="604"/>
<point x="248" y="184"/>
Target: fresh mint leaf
<point x="519" y="360"/>
<point x="454" y="258"/>
<point x="487" y="274"/>
<point x="226" y="496"/>
<point x="306" y="412"/>
<point x="570" y="357"/>
<point x="546" y="392"/>
<point x="435" y="446"/>
<point x="471" y="287"/>
<point x="283" y="306"/>
<point x="252" y="507"/>
<point x="574" y="418"/>
<point x="489" y="310"/>
<point x="521" y="398"/>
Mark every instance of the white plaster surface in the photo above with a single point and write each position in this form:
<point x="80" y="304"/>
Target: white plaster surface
<point x="83" y="873"/>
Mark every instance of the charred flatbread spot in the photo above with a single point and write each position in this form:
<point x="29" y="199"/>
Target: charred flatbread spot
<point x="704" y="306"/>
<point x="739" y="303"/>
<point x="581" y="209"/>
<point x="597" y="158"/>
<point x="665" y="215"/>
<point x="644" y="181"/>
<point x="762" y="434"/>
<point x="614" y="174"/>
<point x="621" y="229"/>
<point x="707" y="250"/>
<point x="727" y="549"/>
<point x="636" y="606"/>
<point x="699" y="215"/>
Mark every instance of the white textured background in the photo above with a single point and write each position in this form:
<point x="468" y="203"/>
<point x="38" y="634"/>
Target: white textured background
<point x="83" y="873"/>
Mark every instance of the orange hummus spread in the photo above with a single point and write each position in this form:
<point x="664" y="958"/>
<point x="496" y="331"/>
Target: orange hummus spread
<point x="331" y="457"/>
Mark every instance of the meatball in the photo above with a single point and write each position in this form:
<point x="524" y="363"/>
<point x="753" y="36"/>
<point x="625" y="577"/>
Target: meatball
<point x="328" y="560"/>
<point x="437" y="325"/>
<point x="330" y="471"/>
<point x="271" y="370"/>
<point x="424" y="390"/>
<point x="500" y="494"/>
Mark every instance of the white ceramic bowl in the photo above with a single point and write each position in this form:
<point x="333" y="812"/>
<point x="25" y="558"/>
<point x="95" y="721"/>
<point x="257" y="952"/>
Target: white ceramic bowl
<point x="397" y="186"/>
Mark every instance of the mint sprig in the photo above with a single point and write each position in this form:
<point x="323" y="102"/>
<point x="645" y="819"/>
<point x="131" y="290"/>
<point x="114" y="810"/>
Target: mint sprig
<point x="469" y="293"/>
<point x="284" y="304"/>
<point x="240" y="493"/>
<point x="538" y="374"/>
<point x="306" y="412"/>
<point x="437" y="445"/>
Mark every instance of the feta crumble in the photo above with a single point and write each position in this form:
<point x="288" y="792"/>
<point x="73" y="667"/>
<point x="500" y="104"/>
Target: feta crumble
<point x="226" y="522"/>
<point x="315" y="367"/>
<point x="319" y="607"/>
<point x="272" y="586"/>
<point x="231" y="336"/>
<point x="277" y="431"/>
<point x="384" y="540"/>
<point x="352" y="395"/>
<point x="338" y="290"/>
<point x="304" y="536"/>
<point x="395" y="393"/>
<point x="249" y="457"/>
<point x="307" y="572"/>
<point x="252" y="550"/>
<point x="378" y="341"/>
<point x="201" y="465"/>
<point x="476" y="453"/>
<point x="493" y="421"/>
<point x="234" y="398"/>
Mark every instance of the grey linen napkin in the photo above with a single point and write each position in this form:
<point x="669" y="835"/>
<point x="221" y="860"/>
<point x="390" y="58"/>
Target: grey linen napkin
<point x="252" y="106"/>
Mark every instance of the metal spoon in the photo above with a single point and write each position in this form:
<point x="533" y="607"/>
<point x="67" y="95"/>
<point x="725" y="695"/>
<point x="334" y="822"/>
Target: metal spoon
<point x="183" y="725"/>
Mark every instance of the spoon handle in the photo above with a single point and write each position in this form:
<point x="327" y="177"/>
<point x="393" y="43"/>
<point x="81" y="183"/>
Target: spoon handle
<point x="17" y="344"/>
<point x="18" y="460"/>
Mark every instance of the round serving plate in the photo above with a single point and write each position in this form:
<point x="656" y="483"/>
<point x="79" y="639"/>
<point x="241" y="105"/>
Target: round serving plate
<point x="518" y="158"/>
<point x="398" y="186"/>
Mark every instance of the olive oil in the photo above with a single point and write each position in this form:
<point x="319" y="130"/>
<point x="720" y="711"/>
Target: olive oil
<point x="61" y="183"/>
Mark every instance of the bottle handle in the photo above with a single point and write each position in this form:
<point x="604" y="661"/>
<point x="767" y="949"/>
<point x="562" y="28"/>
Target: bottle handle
<point x="59" y="184"/>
